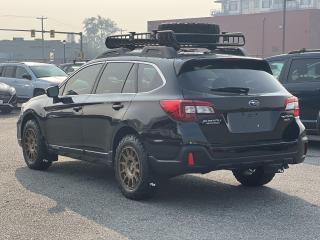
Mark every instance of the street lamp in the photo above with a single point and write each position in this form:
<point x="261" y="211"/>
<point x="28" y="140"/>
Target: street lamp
<point x="64" y="51"/>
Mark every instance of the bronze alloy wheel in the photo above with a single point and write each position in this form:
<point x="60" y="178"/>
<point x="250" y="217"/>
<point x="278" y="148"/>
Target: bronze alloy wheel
<point x="31" y="146"/>
<point x="129" y="168"/>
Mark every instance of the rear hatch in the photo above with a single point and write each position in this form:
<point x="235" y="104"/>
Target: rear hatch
<point x="248" y="105"/>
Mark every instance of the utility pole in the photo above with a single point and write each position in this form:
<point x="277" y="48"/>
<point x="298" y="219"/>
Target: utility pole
<point x="42" y="33"/>
<point x="284" y="26"/>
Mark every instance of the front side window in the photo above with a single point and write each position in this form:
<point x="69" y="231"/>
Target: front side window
<point x="82" y="82"/>
<point x="277" y="67"/>
<point x="20" y="71"/>
<point x="148" y="78"/>
<point x="113" y="78"/>
<point x="304" y="70"/>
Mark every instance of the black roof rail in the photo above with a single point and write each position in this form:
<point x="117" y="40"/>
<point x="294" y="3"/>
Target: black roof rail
<point x="304" y="50"/>
<point x="168" y="38"/>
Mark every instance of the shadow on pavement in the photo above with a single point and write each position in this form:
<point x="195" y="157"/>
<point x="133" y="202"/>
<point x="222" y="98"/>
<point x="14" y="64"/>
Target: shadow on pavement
<point x="187" y="207"/>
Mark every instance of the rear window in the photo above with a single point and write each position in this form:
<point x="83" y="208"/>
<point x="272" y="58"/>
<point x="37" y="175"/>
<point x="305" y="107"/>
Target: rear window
<point x="208" y="77"/>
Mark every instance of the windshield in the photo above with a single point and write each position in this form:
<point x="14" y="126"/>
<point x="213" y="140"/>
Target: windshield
<point x="229" y="81"/>
<point x="48" y="70"/>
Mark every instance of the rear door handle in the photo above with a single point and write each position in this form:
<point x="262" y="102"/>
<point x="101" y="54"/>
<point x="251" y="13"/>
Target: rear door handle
<point x="117" y="106"/>
<point x="77" y="109"/>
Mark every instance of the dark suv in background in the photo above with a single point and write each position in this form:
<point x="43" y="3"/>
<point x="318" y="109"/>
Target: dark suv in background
<point x="299" y="72"/>
<point x="158" y="107"/>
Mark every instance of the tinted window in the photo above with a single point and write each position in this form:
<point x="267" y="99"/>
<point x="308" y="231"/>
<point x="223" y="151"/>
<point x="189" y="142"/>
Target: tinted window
<point x="113" y="78"/>
<point x="304" y="70"/>
<point x="208" y="78"/>
<point x="20" y="71"/>
<point x="131" y="84"/>
<point x="9" y="71"/>
<point x="148" y="78"/>
<point x="276" y="67"/>
<point x="1" y="70"/>
<point x="82" y="82"/>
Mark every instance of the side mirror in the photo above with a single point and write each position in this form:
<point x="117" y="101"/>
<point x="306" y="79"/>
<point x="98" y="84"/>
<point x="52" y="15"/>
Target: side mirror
<point x="52" y="92"/>
<point x="26" y="76"/>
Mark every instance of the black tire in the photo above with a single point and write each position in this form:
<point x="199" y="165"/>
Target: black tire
<point x="38" y="92"/>
<point x="253" y="177"/>
<point x="143" y="183"/>
<point x="202" y="28"/>
<point x="34" y="150"/>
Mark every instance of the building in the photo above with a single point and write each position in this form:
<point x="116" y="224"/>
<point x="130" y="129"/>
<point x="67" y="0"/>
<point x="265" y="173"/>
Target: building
<point x="19" y="49"/>
<point x="237" y="7"/>
<point x="263" y="30"/>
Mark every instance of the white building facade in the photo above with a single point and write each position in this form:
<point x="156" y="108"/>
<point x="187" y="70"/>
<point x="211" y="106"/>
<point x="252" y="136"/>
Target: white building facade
<point x="237" y="7"/>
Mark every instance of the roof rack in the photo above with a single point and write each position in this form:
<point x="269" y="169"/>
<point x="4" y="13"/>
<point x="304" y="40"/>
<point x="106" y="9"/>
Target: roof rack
<point x="168" y="38"/>
<point x="304" y="50"/>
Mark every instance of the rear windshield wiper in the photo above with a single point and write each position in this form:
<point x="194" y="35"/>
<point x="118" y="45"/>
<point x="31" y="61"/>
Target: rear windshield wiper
<point x="239" y="90"/>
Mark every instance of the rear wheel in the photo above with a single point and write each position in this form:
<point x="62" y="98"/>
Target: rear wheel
<point x="253" y="177"/>
<point x="132" y="171"/>
<point x="34" y="150"/>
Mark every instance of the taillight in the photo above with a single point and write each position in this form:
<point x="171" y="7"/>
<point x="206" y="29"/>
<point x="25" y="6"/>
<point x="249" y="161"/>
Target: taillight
<point x="292" y="105"/>
<point x="186" y="110"/>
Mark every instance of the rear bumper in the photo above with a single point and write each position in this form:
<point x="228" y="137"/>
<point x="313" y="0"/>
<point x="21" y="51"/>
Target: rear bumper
<point x="208" y="159"/>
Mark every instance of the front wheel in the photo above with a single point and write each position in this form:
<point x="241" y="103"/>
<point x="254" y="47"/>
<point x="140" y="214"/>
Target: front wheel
<point x="34" y="150"/>
<point x="253" y="177"/>
<point x="132" y="171"/>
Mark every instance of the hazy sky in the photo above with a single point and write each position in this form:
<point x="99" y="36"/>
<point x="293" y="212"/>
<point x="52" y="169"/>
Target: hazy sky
<point x="67" y="15"/>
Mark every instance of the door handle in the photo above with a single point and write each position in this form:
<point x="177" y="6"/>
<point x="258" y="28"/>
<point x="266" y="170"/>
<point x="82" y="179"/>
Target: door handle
<point x="77" y="109"/>
<point x="117" y="106"/>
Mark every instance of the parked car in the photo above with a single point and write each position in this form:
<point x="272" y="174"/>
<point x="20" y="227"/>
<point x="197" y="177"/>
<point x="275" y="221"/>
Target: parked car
<point x="299" y="72"/>
<point x="30" y="79"/>
<point x="8" y="98"/>
<point x="71" y="67"/>
<point x="163" y="111"/>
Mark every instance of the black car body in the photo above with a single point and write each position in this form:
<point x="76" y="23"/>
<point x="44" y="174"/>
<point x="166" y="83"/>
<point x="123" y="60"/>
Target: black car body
<point x="299" y="72"/>
<point x="8" y="98"/>
<point x="185" y="114"/>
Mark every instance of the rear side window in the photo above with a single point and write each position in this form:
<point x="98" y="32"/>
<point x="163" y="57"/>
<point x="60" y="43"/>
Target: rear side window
<point x="304" y="70"/>
<point x="113" y="78"/>
<point x="131" y="83"/>
<point x="148" y="78"/>
<point x="210" y="77"/>
<point x="9" y="71"/>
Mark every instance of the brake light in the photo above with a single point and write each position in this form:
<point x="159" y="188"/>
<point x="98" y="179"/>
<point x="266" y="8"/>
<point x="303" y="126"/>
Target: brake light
<point x="292" y="105"/>
<point x="186" y="110"/>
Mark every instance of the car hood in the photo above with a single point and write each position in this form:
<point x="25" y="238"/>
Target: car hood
<point x="4" y="88"/>
<point x="56" y="80"/>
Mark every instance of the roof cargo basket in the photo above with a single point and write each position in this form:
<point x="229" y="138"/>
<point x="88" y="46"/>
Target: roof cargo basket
<point x="169" y="38"/>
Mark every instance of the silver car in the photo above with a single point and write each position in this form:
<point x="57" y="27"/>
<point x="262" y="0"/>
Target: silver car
<point x="30" y="79"/>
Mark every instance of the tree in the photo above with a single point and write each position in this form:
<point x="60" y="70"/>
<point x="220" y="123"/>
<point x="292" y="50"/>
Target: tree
<point x="96" y="29"/>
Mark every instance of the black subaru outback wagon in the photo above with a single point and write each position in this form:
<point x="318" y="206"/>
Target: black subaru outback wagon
<point x="161" y="105"/>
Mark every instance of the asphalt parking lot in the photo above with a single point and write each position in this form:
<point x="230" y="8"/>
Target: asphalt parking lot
<point x="76" y="200"/>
